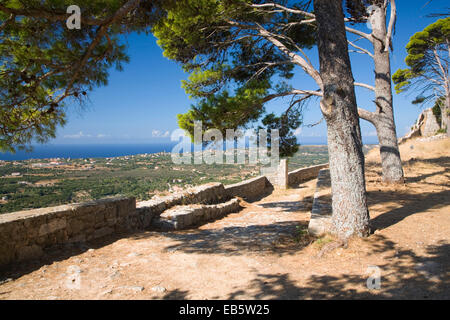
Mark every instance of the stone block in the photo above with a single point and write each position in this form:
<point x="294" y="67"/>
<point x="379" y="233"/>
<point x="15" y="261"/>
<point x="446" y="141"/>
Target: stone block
<point x="79" y="238"/>
<point x="52" y="226"/>
<point x="99" y="220"/>
<point x="75" y="226"/>
<point x="7" y="256"/>
<point x="182" y="217"/>
<point x="102" y="232"/>
<point x="430" y="125"/>
<point x="28" y="252"/>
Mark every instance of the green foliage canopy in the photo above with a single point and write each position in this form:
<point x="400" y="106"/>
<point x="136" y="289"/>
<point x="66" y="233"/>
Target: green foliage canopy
<point x="234" y="70"/>
<point x="427" y="61"/>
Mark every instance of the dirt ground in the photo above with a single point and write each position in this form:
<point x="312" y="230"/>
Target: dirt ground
<point x="264" y="252"/>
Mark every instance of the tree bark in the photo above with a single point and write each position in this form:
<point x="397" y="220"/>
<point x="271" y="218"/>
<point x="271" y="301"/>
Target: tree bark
<point x="445" y="114"/>
<point x="350" y="214"/>
<point x="391" y="163"/>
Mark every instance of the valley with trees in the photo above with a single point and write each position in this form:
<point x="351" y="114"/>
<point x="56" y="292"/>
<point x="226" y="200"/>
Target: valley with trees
<point x="40" y="183"/>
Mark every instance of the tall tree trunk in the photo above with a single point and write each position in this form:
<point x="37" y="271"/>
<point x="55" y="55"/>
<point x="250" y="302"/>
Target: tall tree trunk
<point x="391" y="163"/>
<point x="350" y="214"/>
<point x="445" y="113"/>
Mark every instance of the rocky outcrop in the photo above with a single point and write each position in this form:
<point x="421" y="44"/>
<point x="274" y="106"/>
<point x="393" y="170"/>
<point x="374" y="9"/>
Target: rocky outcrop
<point x="425" y="126"/>
<point x="429" y="125"/>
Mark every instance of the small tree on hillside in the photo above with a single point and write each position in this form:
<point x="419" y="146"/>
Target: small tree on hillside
<point x="428" y="63"/>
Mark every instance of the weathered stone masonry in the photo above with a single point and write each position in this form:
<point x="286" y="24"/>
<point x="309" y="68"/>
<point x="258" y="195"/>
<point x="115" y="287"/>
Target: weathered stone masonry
<point x="304" y="174"/>
<point x="320" y="219"/>
<point x="24" y="234"/>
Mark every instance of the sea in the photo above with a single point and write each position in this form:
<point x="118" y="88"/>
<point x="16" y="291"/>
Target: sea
<point x="76" y="151"/>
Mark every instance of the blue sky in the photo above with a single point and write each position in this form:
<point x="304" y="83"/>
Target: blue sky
<point x="140" y="104"/>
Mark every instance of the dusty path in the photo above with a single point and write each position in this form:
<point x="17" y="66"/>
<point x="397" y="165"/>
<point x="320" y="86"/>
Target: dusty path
<point x="262" y="252"/>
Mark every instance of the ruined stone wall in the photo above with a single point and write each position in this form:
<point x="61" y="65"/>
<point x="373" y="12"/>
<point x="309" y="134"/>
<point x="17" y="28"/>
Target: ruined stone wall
<point x="24" y="234"/>
<point x="184" y="217"/>
<point x="304" y="174"/>
<point x="248" y="189"/>
<point x="320" y="219"/>
<point x="277" y="176"/>
<point x="425" y="126"/>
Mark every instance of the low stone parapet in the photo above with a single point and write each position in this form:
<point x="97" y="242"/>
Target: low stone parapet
<point x="304" y="174"/>
<point x="25" y="234"/>
<point x="183" y="217"/>
<point x="320" y="219"/>
<point x="206" y="194"/>
<point x="147" y="211"/>
<point x="248" y="189"/>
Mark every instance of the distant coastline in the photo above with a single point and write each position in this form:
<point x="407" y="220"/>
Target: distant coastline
<point x="77" y="151"/>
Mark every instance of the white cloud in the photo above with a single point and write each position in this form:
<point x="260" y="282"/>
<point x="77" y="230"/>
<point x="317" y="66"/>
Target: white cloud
<point x="160" y="134"/>
<point x="77" y="135"/>
<point x="81" y="135"/>
<point x="297" y="131"/>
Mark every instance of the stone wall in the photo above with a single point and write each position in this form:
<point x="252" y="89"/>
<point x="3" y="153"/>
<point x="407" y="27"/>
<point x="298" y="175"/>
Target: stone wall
<point x="148" y="211"/>
<point x="248" y="189"/>
<point x="183" y="217"/>
<point x="430" y="125"/>
<point x="425" y="126"/>
<point x="24" y="234"/>
<point x="304" y="174"/>
<point x="209" y="193"/>
<point x="277" y="176"/>
<point x="320" y="219"/>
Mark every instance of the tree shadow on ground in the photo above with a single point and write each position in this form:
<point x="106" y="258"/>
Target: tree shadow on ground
<point x="278" y="238"/>
<point x="285" y="206"/>
<point x="425" y="176"/>
<point x="411" y="200"/>
<point x="412" y="204"/>
<point x="441" y="161"/>
<point x="405" y="276"/>
<point x="176" y="295"/>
